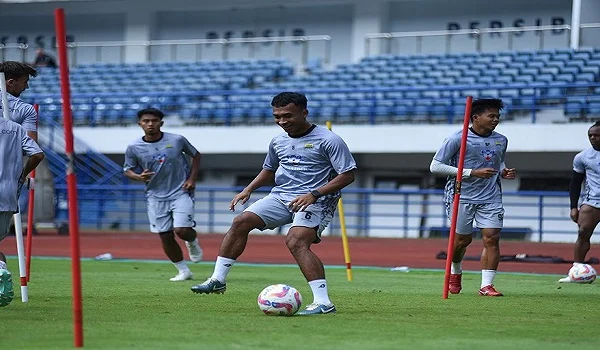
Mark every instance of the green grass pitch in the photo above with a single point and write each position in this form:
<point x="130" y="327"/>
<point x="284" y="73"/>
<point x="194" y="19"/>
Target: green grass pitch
<point x="132" y="305"/>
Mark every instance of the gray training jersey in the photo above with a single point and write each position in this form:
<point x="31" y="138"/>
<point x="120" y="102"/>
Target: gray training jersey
<point x="305" y="163"/>
<point x="14" y="143"/>
<point x="587" y="162"/>
<point x="482" y="152"/>
<point x="166" y="159"/>
<point x="21" y="113"/>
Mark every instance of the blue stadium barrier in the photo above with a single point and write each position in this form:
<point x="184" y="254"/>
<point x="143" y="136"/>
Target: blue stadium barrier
<point x="369" y="212"/>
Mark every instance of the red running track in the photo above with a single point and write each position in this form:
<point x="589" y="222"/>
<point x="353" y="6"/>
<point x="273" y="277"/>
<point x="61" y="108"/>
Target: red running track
<point x="383" y="252"/>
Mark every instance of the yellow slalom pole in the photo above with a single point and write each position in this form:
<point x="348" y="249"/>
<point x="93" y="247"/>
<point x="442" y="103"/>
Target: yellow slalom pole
<point x="340" y="206"/>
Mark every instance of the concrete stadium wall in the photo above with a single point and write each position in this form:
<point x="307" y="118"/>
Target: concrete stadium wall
<point x="374" y="139"/>
<point x="347" y="22"/>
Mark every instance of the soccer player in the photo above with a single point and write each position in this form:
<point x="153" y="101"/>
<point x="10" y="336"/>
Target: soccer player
<point x="17" y="76"/>
<point x="585" y="167"/>
<point x="170" y="186"/>
<point x="309" y="166"/>
<point x="481" y="193"/>
<point x="14" y="143"/>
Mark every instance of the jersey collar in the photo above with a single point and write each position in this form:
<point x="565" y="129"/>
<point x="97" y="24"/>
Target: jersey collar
<point x="162" y="134"/>
<point x="305" y="133"/>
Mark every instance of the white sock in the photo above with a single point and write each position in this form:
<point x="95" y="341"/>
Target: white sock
<point x="222" y="267"/>
<point x="577" y="263"/>
<point x="456" y="268"/>
<point x="181" y="266"/>
<point x="194" y="242"/>
<point x="3" y="265"/>
<point x="487" y="277"/>
<point x="319" y="289"/>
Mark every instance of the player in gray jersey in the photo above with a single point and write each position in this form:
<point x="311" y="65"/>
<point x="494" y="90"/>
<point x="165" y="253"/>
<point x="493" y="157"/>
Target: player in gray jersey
<point x="17" y="76"/>
<point x="161" y="159"/>
<point x="586" y="167"/>
<point x="14" y="144"/>
<point x="309" y="166"/>
<point x="481" y="193"/>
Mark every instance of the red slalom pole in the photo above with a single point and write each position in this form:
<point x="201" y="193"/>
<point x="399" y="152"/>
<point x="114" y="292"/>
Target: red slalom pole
<point x="30" y="208"/>
<point x="61" y="39"/>
<point x="461" y="165"/>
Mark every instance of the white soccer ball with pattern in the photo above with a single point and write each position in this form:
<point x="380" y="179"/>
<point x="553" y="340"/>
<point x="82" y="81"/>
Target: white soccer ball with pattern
<point x="279" y="300"/>
<point x="582" y="273"/>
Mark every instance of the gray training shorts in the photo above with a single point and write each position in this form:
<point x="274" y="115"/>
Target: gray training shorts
<point x="166" y="215"/>
<point x="275" y="213"/>
<point x="488" y="215"/>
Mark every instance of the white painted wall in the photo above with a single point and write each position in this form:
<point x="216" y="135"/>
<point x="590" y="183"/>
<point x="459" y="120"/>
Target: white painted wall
<point x="83" y="27"/>
<point x="333" y="20"/>
<point x="467" y="14"/>
<point x="360" y="138"/>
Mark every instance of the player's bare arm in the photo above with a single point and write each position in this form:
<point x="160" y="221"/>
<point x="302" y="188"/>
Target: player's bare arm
<point x="145" y="176"/>
<point x="300" y="203"/>
<point x="574" y="192"/>
<point x="190" y="184"/>
<point x="509" y="173"/>
<point x="484" y="173"/>
<point x="33" y="135"/>
<point x="265" y="177"/>
<point x="31" y="164"/>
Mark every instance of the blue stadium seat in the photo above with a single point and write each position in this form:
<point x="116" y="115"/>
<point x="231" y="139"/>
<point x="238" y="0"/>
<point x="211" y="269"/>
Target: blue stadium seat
<point x="498" y="65"/>
<point x="555" y="90"/>
<point x="565" y="77"/>
<point x="524" y="79"/>
<point x="573" y="109"/>
<point x="504" y="79"/>
<point x="446" y="81"/>
<point x="592" y="69"/>
<point x="530" y="70"/>
<point x="593" y="109"/>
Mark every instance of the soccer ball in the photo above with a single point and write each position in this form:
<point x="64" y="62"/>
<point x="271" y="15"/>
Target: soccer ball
<point x="582" y="273"/>
<point x="279" y="300"/>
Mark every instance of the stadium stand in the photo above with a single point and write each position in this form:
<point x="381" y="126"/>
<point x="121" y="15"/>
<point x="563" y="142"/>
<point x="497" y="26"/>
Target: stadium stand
<point x="379" y="89"/>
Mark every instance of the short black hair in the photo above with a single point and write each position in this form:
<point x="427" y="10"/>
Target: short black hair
<point x="481" y="105"/>
<point x="283" y="99"/>
<point x="152" y="111"/>
<point x="595" y="124"/>
<point x="16" y="70"/>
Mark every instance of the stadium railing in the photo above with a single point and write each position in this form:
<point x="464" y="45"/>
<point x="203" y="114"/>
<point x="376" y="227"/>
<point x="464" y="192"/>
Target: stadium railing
<point x="22" y="48"/>
<point x="416" y="38"/>
<point x="530" y="215"/>
<point x="102" y="49"/>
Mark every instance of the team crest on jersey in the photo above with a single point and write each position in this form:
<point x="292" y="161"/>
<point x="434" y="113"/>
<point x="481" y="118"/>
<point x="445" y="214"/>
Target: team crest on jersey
<point x="160" y="158"/>
<point x="488" y="154"/>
